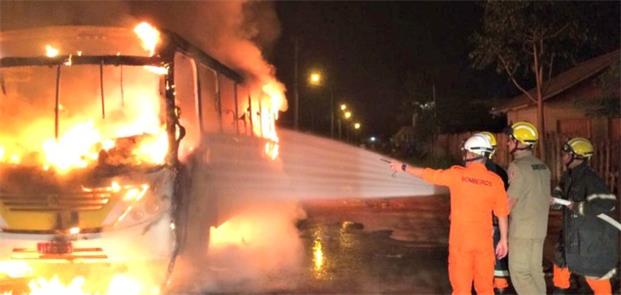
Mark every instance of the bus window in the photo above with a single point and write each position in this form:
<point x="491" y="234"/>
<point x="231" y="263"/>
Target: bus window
<point x="227" y="96"/>
<point x="209" y="104"/>
<point x="185" y="88"/>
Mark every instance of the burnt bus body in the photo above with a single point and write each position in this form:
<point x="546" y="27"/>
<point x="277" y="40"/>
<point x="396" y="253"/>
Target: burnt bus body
<point x="117" y="208"/>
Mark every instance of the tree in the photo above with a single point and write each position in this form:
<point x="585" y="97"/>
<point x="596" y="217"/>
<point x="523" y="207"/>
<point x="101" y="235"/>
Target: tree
<point x="526" y="41"/>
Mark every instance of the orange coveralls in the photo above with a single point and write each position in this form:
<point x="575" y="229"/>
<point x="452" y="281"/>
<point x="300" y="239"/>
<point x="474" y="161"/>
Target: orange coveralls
<point x="475" y="193"/>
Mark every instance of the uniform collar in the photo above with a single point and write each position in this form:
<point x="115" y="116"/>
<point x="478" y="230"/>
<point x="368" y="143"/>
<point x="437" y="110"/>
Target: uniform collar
<point x="522" y="154"/>
<point x="478" y="165"/>
<point x="579" y="170"/>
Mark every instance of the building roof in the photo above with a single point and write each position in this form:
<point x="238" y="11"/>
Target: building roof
<point x="563" y="81"/>
<point x="405" y="131"/>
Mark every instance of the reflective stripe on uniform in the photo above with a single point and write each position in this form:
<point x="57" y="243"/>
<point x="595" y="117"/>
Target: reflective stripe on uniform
<point x="601" y="196"/>
<point x="501" y="273"/>
<point x="609" y="274"/>
<point x="610" y="220"/>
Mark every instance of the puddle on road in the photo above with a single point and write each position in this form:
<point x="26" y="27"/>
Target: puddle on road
<point x="347" y="259"/>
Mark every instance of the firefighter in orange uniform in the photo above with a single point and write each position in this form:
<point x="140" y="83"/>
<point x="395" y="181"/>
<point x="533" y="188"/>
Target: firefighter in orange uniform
<point x="475" y="194"/>
<point x="501" y="270"/>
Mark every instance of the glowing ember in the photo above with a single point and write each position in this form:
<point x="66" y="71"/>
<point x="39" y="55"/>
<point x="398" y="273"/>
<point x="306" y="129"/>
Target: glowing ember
<point x="51" y="51"/>
<point x="149" y="36"/>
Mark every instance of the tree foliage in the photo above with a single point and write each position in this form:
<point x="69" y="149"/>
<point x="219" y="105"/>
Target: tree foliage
<point x="517" y="35"/>
<point x="526" y="40"/>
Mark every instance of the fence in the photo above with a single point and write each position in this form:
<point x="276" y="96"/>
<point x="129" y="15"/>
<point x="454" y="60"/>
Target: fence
<point x="605" y="160"/>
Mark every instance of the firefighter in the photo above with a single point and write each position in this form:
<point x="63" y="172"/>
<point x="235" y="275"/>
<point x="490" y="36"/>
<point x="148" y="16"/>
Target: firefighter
<point x="501" y="267"/>
<point x="529" y="191"/>
<point x="588" y="246"/>
<point x="475" y="194"/>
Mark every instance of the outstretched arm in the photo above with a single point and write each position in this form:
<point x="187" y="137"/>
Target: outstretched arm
<point x="403" y="167"/>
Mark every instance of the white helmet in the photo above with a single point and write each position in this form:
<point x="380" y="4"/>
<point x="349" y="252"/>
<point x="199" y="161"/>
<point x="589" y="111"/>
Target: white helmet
<point x="478" y="144"/>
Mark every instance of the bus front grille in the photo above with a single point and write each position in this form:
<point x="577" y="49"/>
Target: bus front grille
<point x="76" y="201"/>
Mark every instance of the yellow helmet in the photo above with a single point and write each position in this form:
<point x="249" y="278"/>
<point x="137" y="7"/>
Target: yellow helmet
<point x="524" y="132"/>
<point x="580" y="147"/>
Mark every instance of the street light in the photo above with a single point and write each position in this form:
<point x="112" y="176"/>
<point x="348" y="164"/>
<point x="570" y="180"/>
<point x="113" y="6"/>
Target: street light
<point x="315" y="79"/>
<point x="356" y="125"/>
<point x="343" y="107"/>
<point x="347" y="115"/>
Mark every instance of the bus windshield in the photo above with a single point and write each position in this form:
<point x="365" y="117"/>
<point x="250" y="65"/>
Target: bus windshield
<point x="68" y="117"/>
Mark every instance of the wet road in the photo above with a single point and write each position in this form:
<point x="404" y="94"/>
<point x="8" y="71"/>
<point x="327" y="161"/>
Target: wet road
<point x="394" y="246"/>
<point x="379" y="246"/>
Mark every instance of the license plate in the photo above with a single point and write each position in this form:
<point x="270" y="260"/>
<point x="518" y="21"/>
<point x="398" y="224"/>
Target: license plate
<point x="54" y="247"/>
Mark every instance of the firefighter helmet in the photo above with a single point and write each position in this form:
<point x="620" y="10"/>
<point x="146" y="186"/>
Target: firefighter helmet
<point x="579" y="147"/>
<point x="478" y="144"/>
<point x="492" y="140"/>
<point x="524" y="132"/>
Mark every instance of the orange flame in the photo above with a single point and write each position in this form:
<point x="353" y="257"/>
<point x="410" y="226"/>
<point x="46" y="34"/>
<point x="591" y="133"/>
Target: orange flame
<point x="149" y="36"/>
<point x="272" y="102"/>
<point x="41" y="286"/>
<point x="51" y="51"/>
<point x="132" y="131"/>
<point x="119" y="284"/>
<point x="157" y="70"/>
<point x="15" y="269"/>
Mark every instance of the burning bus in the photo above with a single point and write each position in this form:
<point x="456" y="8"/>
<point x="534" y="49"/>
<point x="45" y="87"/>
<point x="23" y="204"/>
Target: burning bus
<point x="102" y="130"/>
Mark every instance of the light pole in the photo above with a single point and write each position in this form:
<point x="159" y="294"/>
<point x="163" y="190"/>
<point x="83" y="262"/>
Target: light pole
<point x="347" y="115"/>
<point x="343" y="109"/>
<point x="296" y="91"/>
<point x="316" y="79"/>
<point x="357" y="126"/>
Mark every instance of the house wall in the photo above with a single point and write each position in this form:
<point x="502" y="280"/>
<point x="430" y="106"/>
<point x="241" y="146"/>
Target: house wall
<point x="562" y="113"/>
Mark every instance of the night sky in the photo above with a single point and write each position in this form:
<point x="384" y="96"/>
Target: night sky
<point x="367" y="49"/>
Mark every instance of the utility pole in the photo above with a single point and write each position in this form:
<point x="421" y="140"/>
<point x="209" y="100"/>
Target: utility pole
<point x="296" y="94"/>
<point x="435" y="115"/>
